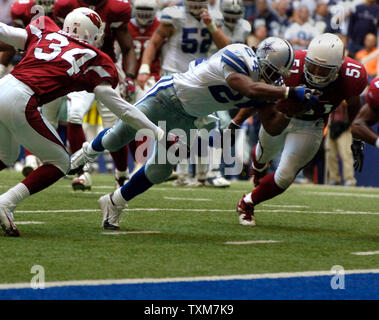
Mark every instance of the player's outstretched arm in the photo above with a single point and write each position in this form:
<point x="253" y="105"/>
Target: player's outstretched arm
<point x="219" y="37"/>
<point x="16" y="37"/>
<point x="361" y="126"/>
<point x="163" y="32"/>
<point x="129" y="59"/>
<point x="125" y="111"/>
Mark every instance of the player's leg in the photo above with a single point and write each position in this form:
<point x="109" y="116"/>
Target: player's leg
<point x="301" y="144"/>
<point x="334" y="177"/>
<point x="263" y="152"/>
<point x="78" y="104"/>
<point x="344" y="142"/>
<point x="50" y="112"/>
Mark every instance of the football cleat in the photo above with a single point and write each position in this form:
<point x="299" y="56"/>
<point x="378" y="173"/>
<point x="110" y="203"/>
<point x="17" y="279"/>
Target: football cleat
<point x="216" y="182"/>
<point x="80" y="158"/>
<point x="257" y="175"/>
<point x="185" y="181"/>
<point x="111" y="212"/>
<point x="6" y="222"/>
<point x="245" y="213"/>
<point x="31" y="163"/>
<point x="121" y="181"/>
<point x="83" y="182"/>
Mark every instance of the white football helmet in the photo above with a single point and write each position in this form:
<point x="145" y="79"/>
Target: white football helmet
<point x="86" y="25"/>
<point x="275" y="57"/>
<point x="323" y="61"/>
<point x="195" y="6"/>
<point x="47" y="5"/>
<point x="232" y="10"/>
<point x="144" y="11"/>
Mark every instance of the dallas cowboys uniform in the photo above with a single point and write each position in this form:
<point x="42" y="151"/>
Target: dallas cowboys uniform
<point x="181" y="98"/>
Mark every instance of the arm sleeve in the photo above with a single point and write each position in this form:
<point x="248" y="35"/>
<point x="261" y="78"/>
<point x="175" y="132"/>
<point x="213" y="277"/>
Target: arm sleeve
<point x="125" y="111"/>
<point x="16" y="37"/>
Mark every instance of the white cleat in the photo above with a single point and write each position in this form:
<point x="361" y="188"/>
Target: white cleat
<point x="31" y="163"/>
<point x="81" y="157"/>
<point x="245" y="213"/>
<point x="217" y="181"/>
<point x="83" y="182"/>
<point x="6" y="222"/>
<point x="111" y="212"/>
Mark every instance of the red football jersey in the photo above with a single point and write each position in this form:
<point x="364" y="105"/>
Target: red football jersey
<point x="22" y="12"/>
<point x="141" y="37"/>
<point x="351" y="81"/>
<point x="114" y="13"/>
<point x="372" y="96"/>
<point x="56" y="64"/>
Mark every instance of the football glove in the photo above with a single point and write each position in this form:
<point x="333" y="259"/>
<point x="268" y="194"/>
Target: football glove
<point x="357" y="148"/>
<point x="306" y="95"/>
<point x="129" y="88"/>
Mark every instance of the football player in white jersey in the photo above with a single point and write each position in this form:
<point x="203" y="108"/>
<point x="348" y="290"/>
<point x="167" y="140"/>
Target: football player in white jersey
<point x="186" y="33"/>
<point x="232" y="78"/>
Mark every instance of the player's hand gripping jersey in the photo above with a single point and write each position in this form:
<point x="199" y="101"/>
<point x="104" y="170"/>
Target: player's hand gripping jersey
<point x="203" y="89"/>
<point x="56" y="64"/>
<point x="351" y="81"/>
<point x="114" y="14"/>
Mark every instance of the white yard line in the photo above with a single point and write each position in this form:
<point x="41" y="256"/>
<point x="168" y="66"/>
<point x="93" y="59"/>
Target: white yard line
<point x="112" y="233"/>
<point x="187" y="199"/>
<point x="29" y="222"/>
<point x="284" y="206"/>
<point x="341" y="194"/>
<point x="280" y="275"/>
<point x="366" y="253"/>
<point x="205" y="210"/>
<point x="251" y="242"/>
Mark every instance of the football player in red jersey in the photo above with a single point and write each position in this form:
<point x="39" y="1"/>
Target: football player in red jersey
<point x="141" y="28"/>
<point x="361" y="126"/>
<point x="55" y="63"/>
<point x="321" y="67"/>
<point x="115" y="14"/>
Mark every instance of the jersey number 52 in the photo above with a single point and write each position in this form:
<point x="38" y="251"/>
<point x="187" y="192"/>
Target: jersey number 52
<point x="191" y="45"/>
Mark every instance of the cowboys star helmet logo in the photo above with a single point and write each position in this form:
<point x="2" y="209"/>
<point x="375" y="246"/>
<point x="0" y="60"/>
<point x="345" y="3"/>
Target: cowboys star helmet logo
<point x="268" y="47"/>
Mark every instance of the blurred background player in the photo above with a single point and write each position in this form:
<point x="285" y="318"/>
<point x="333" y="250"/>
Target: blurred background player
<point x="237" y="29"/>
<point x="116" y="16"/>
<point x="51" y="68"/>
<point x="324" y="67"/>
<point x="361" y="126"/>
<point x="186" y="33"/>
<point x="141" y="28"/>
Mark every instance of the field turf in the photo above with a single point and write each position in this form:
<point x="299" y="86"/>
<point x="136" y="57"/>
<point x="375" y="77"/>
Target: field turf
<point x="194" y="232"/>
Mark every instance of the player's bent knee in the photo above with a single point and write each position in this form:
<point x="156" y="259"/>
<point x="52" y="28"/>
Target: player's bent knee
<point x="158" y="173"/>
<point x="284" y="180"/>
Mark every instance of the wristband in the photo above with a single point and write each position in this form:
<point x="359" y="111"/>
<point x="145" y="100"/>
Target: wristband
<point x="377" y="143"/>
<point x="144" y="69"/>
<point x="212" y="27"/>
<point x="131" y="76"/>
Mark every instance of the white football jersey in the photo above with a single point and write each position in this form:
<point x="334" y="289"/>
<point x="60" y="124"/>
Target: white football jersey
<point x="203" y="89"/>
<point x="190" y="41"/>
<point x="240" y="32"/>
<point x="305" y="32"/>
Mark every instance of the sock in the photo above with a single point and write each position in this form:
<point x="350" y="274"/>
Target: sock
<point x="96" y="143"/>
<point x="257" y="166"/>
<point x="15" y="195"/>
<point x="118" y="174"/>
<point x="75" y="136"/>
<point x="2" y="165"/>
<point x="27" y="153"/>
<point x="266" y="190"/>
<point x="42" y="177"/>
<point x="136" y="185"/>
<point x="120" y="158"/>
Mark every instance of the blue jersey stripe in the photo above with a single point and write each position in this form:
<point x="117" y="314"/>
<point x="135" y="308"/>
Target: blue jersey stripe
<point x="160" y="85"/>
<point x="233" y="65"/>
<point x="237" y="60"/>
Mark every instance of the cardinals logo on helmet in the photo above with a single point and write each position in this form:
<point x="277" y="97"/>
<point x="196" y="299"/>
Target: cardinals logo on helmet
<point x="95" y="19"/>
